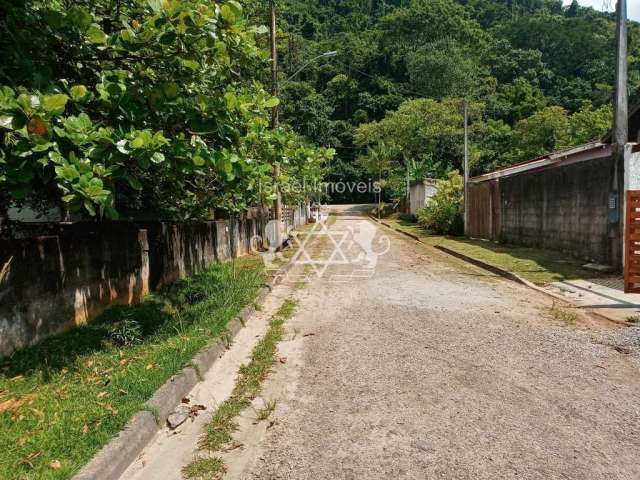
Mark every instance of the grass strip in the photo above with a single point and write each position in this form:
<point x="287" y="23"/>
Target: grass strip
<point x="249" y="382"/>
<point x="219" y="431"/>
<point x="205" y="469"/>
<point x="539" y="266"/>
<point x="65" y="398"/>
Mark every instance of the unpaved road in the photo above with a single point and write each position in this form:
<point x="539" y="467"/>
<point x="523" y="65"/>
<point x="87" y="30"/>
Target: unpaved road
<point x="414" y="365"/>
<point x="433" y="369"/>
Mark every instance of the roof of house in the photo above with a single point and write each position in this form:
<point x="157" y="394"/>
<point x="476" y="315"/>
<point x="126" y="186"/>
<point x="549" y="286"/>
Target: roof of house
<point x="590" y="151"/>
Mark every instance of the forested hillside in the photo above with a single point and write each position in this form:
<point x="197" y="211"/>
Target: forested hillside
<point x="539" y="77"/>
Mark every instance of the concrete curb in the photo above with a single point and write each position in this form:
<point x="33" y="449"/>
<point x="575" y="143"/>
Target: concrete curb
<point x="114" y="458"/>
<point x="410" y="235"/>
<point x="493" y="269"/>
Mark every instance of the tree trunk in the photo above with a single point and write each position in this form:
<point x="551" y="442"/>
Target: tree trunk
<point x="408" y="186"/>
<point x="4" y="216"/>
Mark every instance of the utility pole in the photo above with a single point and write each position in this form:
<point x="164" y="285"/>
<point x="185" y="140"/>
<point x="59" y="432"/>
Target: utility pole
<point x="622" y="100"/>
<point x="620" y="138"/>
<point x="4" y="214"/>
<point x="465" y="107"/>
<point x="408" y="184"/>
<point x="274" y="111"/>
<point x="379" y="187"/>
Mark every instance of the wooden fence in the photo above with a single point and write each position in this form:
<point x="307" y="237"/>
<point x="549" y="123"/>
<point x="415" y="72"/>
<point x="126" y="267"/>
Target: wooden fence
<point x="484" y="210"/>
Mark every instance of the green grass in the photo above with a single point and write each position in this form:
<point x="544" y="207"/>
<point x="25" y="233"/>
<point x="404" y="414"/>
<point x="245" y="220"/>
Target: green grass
<point x="248" y="384"/>
<point x="564" y="315"/>
<point x="205" y="469"/>
<point x="266" y="411"/>
<point x="63" y="399"/>
<point x="536" y="265"/>
<point x="300" y="284"/>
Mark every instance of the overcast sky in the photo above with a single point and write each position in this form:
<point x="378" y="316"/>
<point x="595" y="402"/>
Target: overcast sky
<point x="633" y="6"/>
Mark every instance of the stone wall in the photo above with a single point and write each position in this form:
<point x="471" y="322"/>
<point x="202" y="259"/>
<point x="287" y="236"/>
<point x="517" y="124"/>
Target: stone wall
<point x="562" y="208"/>
<point x="54" y="276"/>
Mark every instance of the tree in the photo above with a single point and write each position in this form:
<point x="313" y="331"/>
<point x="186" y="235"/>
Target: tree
<point x="515" y="101"/>
<point x="149" y="107"/>
<point x="543" y="132"/>
<point x="343" y="93"/>
<point x="309" y="111"/>
<point x="508" y="64"/>
<point x="442" y="69"/>
<point x="573" y="9"/>
<point x="421" y="127"/>
<point x="516" y="58"/>
<point x="425" y="21"/>
<point x="496" y="146"/>
<point x="378" y="162"/>
<point x="425" y="135"/>
<point x="588" y="124"/>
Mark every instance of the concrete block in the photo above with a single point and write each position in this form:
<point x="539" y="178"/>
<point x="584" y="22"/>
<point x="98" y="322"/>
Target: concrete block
<point x="117" y="455"/>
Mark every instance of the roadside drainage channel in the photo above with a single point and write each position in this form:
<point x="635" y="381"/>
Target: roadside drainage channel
<point x="115" y="457"/>
<point x="507" y="275"/>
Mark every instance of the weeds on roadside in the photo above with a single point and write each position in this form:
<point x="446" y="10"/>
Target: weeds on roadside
<point x="81" y="387"/>
<point x="265" y="412"/>
<point x="127" y="331"/>
<point x="564" y="315"/>
<point x="249" y="382"/>
<point x="205" y="469"/>
<point x="633" y="319"/>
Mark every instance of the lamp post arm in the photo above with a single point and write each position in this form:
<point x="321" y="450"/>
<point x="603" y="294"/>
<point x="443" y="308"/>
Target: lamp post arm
<point x="324" y="55"/>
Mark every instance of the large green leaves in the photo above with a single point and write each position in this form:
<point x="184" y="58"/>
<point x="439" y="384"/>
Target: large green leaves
<point x="160" y="109"/>
<point x="54" y="104"/>
<point x="96" y="35"/>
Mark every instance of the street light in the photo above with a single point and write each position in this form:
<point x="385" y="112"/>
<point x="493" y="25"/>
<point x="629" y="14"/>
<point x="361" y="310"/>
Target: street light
<point x="275" y="90"/>
<point x="324" y="55"/>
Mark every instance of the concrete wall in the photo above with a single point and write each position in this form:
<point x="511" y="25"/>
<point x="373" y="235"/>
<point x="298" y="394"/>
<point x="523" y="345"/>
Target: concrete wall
<point x="54" y="276"/>
<point x="53" y="282"/>
<point x="562" y="208"/>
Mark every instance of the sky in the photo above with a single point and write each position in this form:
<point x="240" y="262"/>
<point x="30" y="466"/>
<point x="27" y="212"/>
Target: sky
<point x="633" y="6"/>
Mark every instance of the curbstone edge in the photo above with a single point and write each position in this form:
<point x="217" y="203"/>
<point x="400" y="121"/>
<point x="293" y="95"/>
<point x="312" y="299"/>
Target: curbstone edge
<point x="116" y="456"/>
<point x="119" y="453"/>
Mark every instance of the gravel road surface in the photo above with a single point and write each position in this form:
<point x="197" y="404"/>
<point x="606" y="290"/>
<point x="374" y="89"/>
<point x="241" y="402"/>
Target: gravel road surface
<point x="417" y="366"/>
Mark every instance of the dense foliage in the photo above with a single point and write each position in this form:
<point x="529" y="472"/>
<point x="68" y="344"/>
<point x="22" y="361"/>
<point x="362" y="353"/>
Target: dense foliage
<point x="140" y="107"/>
<point x="539" y="76"/>
<point x="443" y="215"/>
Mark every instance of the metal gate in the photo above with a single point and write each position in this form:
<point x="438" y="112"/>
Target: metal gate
<point x="632" y="243"/>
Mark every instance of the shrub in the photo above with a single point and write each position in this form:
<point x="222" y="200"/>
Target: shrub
<point x="443" y="214"/>
<point x="408" y="217"/>
<point x="126" y="332"/>
<point x="383" y="210"/>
